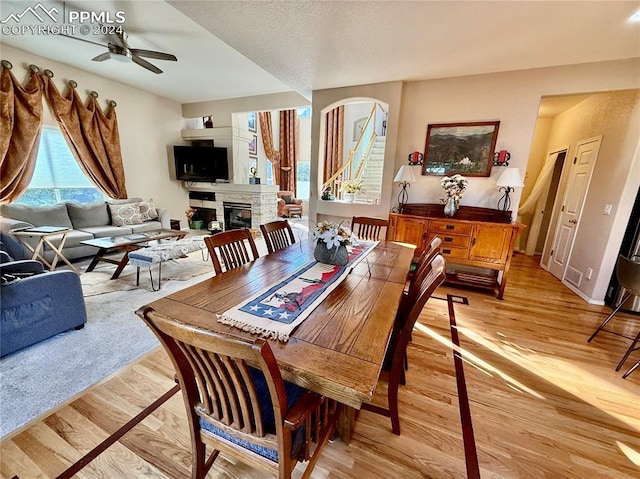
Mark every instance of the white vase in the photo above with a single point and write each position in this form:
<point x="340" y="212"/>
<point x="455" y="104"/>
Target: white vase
<point x="348" y="197"/>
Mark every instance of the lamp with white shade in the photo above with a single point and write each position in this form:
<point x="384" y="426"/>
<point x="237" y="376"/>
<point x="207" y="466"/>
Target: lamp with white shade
<point x="508" y="181"/>
<point x="404" y="176"/>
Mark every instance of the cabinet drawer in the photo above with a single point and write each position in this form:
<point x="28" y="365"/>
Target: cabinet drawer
<point x="449" y="240"/>
<point x="445" y="227"/>
<point x="453" y="252"/>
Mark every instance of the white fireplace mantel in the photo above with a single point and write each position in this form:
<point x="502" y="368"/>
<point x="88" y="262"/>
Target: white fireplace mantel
<point x="262" y="198"/>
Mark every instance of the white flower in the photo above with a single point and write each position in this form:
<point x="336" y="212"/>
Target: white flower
<point x="465" y="161"/>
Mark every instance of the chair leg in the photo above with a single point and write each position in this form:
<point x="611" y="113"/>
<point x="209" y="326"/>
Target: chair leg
<point x="629" y="351"/>
<point x="633" y="368"/>
<point x="608" y="318"/>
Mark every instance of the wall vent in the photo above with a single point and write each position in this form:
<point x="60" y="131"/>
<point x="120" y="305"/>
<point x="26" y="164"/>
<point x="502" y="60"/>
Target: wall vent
<point x="573" y="276"/>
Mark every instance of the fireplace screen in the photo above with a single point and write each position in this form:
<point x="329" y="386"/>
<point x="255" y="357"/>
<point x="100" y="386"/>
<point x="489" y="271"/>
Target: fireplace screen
<point x="237" y="216"/>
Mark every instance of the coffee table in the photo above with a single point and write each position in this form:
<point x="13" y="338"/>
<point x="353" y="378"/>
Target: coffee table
<point x="126" y="244"/>
<point x="47" y="235"/>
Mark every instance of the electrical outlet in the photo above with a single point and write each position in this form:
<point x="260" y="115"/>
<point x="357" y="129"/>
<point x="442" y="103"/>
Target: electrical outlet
<point x="607" y="209"/>
<point x="589" y="273"/>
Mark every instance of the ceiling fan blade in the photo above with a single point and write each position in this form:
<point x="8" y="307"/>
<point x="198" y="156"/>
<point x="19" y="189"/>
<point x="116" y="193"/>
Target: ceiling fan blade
<point x="152" y="54"/>
<point x="102" y="57"/>
<point x="145" y="64"/>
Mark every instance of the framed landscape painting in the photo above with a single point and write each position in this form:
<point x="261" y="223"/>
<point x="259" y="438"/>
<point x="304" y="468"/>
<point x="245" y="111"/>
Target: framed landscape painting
<point x="464" y="148"/>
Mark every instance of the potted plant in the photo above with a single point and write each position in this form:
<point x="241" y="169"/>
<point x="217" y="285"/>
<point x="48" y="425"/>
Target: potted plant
<point x="350" y="188"/>
<point x="194" y="218"/>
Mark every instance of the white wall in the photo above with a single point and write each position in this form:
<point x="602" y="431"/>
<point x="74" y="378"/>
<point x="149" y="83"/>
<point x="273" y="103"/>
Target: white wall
<point x="149" y="125"/>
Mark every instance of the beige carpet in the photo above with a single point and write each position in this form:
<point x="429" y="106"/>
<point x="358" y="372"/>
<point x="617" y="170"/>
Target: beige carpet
<point x="98" y="281"/>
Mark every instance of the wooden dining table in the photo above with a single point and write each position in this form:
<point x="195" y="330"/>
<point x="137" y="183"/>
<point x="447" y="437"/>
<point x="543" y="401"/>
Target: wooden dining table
<point x="339" y="349"/>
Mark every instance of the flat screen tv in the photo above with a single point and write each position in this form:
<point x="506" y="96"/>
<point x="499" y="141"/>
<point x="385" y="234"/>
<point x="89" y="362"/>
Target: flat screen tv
<point x="201" y="163"/>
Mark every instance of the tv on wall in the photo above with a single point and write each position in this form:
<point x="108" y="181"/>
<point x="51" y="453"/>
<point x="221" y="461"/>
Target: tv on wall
<point x="201" y="163"/>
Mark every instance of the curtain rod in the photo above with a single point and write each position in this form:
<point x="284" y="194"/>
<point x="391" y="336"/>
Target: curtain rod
<point x="72" y="83"/>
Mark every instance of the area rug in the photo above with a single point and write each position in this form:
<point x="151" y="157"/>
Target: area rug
<point x="99" y="280"/>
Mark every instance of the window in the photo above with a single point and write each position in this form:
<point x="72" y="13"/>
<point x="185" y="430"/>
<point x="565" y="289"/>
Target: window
<point x="57" y="176"/>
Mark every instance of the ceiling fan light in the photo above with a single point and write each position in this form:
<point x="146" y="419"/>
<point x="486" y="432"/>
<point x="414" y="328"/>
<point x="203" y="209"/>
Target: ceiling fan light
<point x="124" y="57"/>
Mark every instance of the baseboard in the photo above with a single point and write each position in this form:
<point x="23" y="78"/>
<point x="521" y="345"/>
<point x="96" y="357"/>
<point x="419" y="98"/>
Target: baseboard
<point x="598" y="302"/>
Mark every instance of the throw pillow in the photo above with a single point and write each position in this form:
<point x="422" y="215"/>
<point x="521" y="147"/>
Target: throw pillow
<point x="125" y="214"/>
<point x="288" y="199"/>
<point x="88" y="214"/>
<point x="148" y="210"/>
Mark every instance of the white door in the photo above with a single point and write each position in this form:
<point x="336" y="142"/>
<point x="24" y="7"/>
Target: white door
<point x="571" y="209"/>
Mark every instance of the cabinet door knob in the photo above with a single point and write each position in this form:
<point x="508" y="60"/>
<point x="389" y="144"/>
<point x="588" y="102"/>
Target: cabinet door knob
<point x="473" y="241"/>
<point x="448" y="239"/>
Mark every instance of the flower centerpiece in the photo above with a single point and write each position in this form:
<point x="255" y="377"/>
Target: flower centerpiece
<point x="331" y="243"/>
<point x="454" y="186"/>
<point x="350" y="188"/>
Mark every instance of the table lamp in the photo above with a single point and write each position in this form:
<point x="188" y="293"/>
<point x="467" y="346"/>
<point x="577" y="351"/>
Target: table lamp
<point x="404" y="176"/>
<point x="508" y="181"/>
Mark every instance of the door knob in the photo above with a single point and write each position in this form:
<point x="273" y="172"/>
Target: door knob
<point x="575" y="222"/>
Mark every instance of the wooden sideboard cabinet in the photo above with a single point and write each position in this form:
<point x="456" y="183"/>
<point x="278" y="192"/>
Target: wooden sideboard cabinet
<point x="478" y="243"/>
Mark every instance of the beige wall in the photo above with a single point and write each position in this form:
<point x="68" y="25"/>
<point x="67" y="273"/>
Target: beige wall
<point x="222" y="110"/>
<point x="148" y="126"/>
<point x="616" y="116"/>
<point x="513" y="98"/>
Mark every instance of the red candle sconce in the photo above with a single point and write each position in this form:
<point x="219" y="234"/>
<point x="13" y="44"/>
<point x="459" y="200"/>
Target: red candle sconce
<point x="501" y="158"/>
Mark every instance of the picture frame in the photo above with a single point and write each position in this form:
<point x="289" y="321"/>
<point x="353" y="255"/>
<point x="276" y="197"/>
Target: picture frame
<point x="251" y="122"/>
<point x="460" y="148"/>
<point x="253" y="145"/>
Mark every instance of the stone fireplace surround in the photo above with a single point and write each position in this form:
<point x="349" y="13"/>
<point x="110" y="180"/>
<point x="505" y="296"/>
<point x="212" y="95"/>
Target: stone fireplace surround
<point x="262" y="198"/>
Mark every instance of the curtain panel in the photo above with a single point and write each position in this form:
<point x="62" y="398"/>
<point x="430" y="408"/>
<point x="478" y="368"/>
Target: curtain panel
<point x="92" y="137"/>
<point x="21" y="115"/>
<point x="334" y="127"/>
<point x="289" y="150"/>
<point x="266" y="131"/>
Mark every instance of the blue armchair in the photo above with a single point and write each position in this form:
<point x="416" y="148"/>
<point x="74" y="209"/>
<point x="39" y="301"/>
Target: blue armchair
<point x="37" y="305"/>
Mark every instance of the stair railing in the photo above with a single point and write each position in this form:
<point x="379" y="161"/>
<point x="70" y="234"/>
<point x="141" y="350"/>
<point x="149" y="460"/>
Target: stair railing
<point x="358" y="155"/>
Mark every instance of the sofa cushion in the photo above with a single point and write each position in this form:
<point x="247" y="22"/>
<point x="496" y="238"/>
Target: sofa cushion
<point x="148" y="210"/>
<point x="288" y="199"/>
<point x="107" y="231"/>
<point x="125" y="214"/>
<point x="55" y="215"/>
<point x="146" y="226"/>
<point x="88" y="214"/>
<point x="125" y="201"/>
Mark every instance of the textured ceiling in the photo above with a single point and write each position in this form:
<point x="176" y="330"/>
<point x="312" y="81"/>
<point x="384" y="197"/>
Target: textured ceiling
<point x="230" y="49"/>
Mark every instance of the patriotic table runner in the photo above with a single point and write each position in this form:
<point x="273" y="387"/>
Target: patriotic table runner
<point x="278" y="309"/>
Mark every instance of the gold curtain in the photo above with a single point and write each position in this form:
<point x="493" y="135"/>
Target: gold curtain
<point x="92" y="137"/>
<point x="334" y="140"/>
<point x="21" y="115"/>
<point x="289" y="147"/>
<point x="266" y="132"/>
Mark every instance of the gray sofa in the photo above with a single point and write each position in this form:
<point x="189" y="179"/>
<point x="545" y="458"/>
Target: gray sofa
<point x="87" y="221"/>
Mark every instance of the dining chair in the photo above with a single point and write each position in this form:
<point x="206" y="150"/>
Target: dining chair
<point x="400" y="339"/>
<point x="424" y="259"/>
<point x="278" y="235"/>
<point x="628" y="274"/>
<point x="231" y="247"/>
<point x="237" y="402"/>
<point x="421" y="268"/>
<point x="368" y="229"/>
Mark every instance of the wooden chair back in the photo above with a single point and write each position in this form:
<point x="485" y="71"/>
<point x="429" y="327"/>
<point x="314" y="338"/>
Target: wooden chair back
<point x="424" y="261"/>
<point x="368" y="229"/>
<point x="217" y="375"/>
<point x="278" y="235"/>
<point x="230" y="248"/>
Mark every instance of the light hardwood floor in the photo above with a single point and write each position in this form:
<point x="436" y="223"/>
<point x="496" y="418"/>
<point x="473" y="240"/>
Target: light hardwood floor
<point x="544" y="402"/>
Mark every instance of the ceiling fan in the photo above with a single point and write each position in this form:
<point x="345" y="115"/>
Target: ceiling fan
<point x="119" y="50"/>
